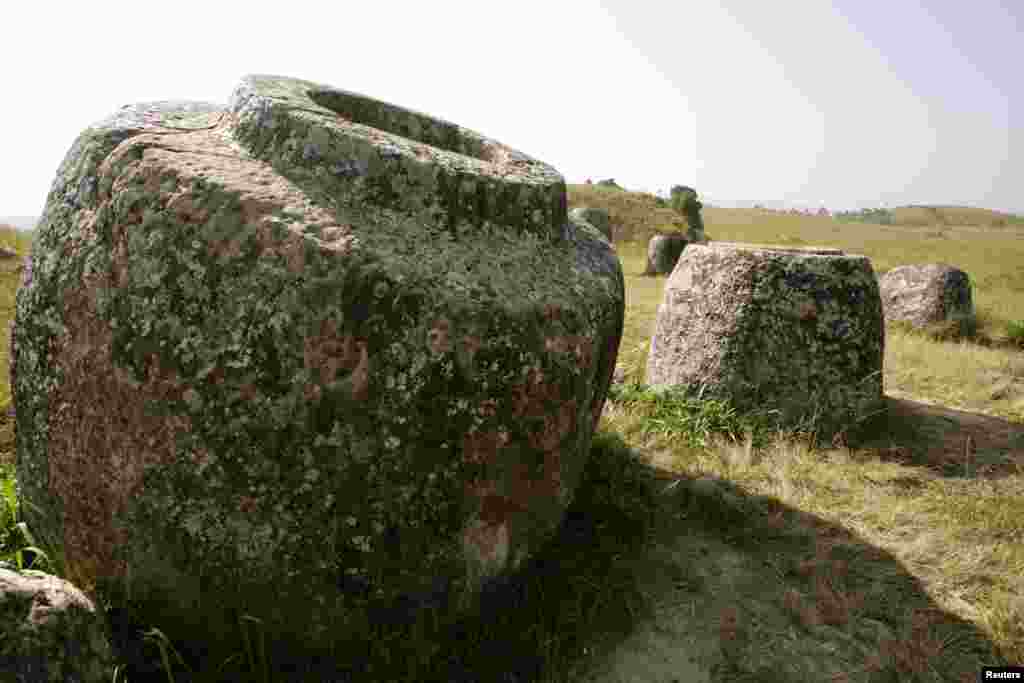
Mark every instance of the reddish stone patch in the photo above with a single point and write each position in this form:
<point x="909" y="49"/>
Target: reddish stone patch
<point x="530" y="398"/>
<point x="487" y="539"/>
<point x="328" y="352"/>
<point x="489" y="408"/>
<point x="580" y="346"/>
<point x="556" y="428"/>
<point x="361" y="374"/>
<point x="185" y="210"/>
<point x="437" y="337"/>
<point x="248" y="391"/>
<point x="247" y="504"/>
<point x="552" y="312"/>
<point x="102" y="439"/>
<point x="584" y="349"/>
<point x="496" y="509"/>
<point x="525" y="486"/>
<point x="483" y="447"/>
<point x="530" y="395"/>
<point x="481" y="488"/>
<point x="226" y="249"/>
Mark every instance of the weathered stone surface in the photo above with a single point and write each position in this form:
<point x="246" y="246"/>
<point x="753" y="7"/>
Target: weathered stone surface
<point x="50" y="631"/>
<point x="310" y="342"/>
<point x="598" y="218"/>
<point x="795" y="330"/>
<point x="663" y="252"/>
<point x="923" y="295"/>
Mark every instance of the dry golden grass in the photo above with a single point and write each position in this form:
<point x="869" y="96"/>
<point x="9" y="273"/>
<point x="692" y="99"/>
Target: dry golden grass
<point x="951" y="215"/>
<point x="10" y="278"/>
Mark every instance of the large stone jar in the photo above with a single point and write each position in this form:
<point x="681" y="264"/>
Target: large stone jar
<point x="300" y="353"/>
<point x="798" y="331"/>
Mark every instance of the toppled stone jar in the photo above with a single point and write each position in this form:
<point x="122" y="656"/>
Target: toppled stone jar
<point x="310" y="342"/>
<point x="798" y="331"/>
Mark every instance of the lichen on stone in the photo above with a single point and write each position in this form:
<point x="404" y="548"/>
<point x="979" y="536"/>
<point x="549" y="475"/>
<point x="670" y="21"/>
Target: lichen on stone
<point x="796" y="331"/>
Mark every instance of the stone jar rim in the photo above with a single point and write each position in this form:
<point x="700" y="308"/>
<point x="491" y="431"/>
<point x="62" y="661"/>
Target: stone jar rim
<point x="393" y="157"/>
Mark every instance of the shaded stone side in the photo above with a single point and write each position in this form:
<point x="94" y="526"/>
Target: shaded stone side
<point x="798" y="331"/>
<point x="240" y="390"/>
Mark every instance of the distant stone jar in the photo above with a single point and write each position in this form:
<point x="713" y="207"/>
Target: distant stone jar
<point x="304" y="354"/>
<point x="794" y="330"/>
<point x="663" y="251"/>
<point x="928" y="295"/>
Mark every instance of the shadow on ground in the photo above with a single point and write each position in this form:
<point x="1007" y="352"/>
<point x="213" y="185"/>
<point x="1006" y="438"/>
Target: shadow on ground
<point x="952" y="443"/>
<point x="659" y="577"/>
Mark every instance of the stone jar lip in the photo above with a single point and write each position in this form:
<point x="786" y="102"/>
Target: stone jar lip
<point x="368" y="143"/>
<point x="751" y="246"/>
<point x="937" y="268"/>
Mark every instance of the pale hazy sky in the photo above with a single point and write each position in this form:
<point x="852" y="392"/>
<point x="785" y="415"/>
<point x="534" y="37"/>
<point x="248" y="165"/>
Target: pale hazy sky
<point x="807" y="102"/>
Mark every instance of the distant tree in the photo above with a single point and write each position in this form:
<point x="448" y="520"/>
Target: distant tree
<point x="877" y="216"/>
<point x="683" y="201"/>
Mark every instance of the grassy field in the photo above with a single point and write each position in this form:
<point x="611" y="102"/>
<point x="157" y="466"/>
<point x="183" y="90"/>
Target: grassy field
<point x="894" y="556"/>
